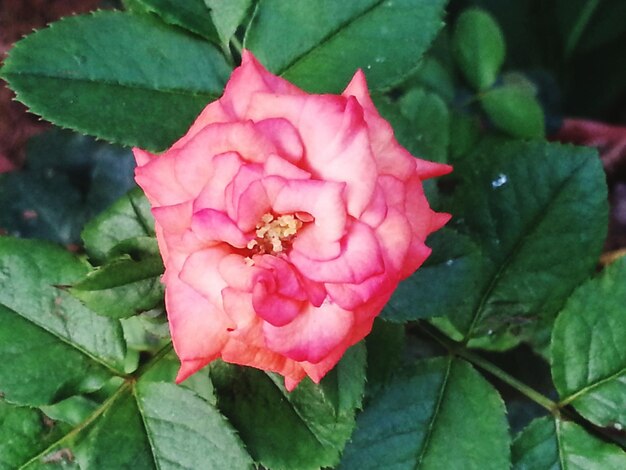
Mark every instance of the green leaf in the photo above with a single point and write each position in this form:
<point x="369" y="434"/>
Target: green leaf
<point x="186" y="432"/>
<point x="123" y="287"/>
<point x="122" y="77"/>
<point x="30" y="355"/>
<point x="479" y="47"/>
<point x="439" y="413"/>
<point x="227" y="16"/>
<point x="464" y="135"/>
<point x="49" y="318"/>
<point x="588" y="353"/>
<point x="68" y="179"/>
<point x="538" y="212"/>
<point x="152" y="424"/>
<point x="385" y="349"/>
<point x="328" y="40"/>
<point x="430" y="122"/>
<point x="128" y="218"/>
<point x="562" y="445"/>
<point x="192" y="15"/>
<point x="73" y="410"/>
<point x="515" y="110"/>
<point x="420" y="122"/>
<point x="433" y="75"/>
<point x="23" y="433"/>
<point x="444" y="284"/>
<point x="304" y="429"/>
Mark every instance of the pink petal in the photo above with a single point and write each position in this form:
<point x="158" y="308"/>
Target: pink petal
<point x="284" y="137"/>
<point x="199" y="330"/>
<point x="238" y="307"/>
<point x="416" y="255"/>
<point x="225" y="167"/>
<point x="358" y="88"/>
<point x="352" y="296"/>
<point x="201" y="272"/>
<point x="426" y="169"/>
<point x="360" y="258"/>
<point x="394" y="235"/>
<point x="213" y="113"/>
<point x="274" y="308"/>
<point x="251" y="205"/>
<point x="174" y="219"/>
<point x="359" y="330"/>
<point x="391" y="157"/>
<point x="376" y="211"/>
<point x="212" y="227"/>
<point x="438" y="220"/>
<point x="312" y="334"/>
<point x="238" y="274"/>
<point x="158" y="180"/>
<point x="325" y="202"/>
<point x="247" y="80"/>
<point x="240" y="137"/>
<point x="287" y="280"/>
<point x="142" y="157"/>
<point x="244" y="178"/>
<point x="335" y="137"/>
<point x="277" y="166"/>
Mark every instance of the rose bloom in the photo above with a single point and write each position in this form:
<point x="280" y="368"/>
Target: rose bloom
<point x="285" y="221"/>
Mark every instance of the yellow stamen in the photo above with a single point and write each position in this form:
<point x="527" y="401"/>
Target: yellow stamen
<point x="274" y="234"/>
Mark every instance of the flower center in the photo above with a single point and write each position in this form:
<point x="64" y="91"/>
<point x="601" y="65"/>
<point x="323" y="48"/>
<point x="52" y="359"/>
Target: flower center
<point x="274" y="234"/>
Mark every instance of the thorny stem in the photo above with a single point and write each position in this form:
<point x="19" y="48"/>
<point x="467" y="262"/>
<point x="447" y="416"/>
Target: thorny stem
<point x="128" y="383"/>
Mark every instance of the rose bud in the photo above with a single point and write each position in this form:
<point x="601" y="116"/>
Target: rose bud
<point x="285" y="221"/>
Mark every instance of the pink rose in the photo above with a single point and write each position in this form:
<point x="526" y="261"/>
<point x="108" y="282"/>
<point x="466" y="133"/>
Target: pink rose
<point x="285" y="221"/>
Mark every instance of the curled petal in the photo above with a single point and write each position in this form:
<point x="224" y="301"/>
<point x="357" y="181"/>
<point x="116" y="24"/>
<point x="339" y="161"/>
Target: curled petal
<point x="213" y="227"/>
<point x="284" y="137"/>
<point x="277" y="166"/>
<point x="360" y="258"/>
<point x="312" y="334"/>
<point x="225" y="167"/>
<point x="337" y="151"/>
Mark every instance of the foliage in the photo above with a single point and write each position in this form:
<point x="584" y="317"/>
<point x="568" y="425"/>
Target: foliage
<point x="88" y="370"/>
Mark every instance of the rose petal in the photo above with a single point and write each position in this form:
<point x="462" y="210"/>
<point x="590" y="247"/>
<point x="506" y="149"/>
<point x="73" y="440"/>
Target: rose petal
<point x="201" y="272"/>
<point x="394" y="235"/>
<point x="213" y="113"/>
<point x="312" y="334"/>
<point x="284" y="137"/>
<point x="212" y="227"/>
<point x="175" y="218"/>
<point x="360" y="258"/>
<point x="225" y="167"/>
<point x="322" y="200"/>
<point x="277" y="166"/>
<point x="199" y="330"/>
<point x="339" y="150"/>
<point x="239" y="137"/>
<point x="247" y="80"/>
<point x="276" y="309"/>
<point x="158" y="180"/>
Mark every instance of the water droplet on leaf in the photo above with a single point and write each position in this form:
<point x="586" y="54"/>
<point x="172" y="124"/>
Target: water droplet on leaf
<point x="499" y="181"/>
